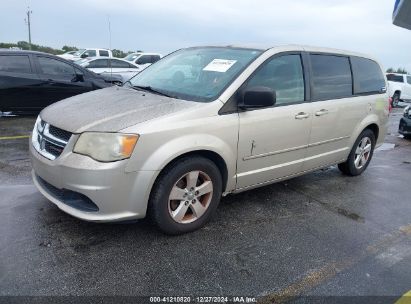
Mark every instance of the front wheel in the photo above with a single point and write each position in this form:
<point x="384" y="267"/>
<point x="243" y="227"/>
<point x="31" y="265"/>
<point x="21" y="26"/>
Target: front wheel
<point x="185" y="195"/>
<point x="360" y="155"/>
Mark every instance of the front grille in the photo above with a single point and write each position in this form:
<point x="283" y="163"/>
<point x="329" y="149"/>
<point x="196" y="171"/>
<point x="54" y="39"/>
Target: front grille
<point x="49" y="140"/>
<point x="59" y="133"/>
<point x="53" y="149"/>
<point x="73" y="199"/>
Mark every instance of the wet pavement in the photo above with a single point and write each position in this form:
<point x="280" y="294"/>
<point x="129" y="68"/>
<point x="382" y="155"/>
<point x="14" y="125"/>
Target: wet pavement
<point x="322" y="234"/>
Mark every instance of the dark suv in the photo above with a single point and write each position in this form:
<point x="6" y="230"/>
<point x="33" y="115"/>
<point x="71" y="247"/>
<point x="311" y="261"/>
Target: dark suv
<point x="30" y="81"/>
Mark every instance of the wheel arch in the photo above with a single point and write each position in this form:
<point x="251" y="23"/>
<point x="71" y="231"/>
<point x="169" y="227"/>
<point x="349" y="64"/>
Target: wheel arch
<point x="216" y="158"/>
<point x="375" y="129"/>
<point x="371" y="122"/>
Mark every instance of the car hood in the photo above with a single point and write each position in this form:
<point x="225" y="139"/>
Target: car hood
<point x="110" y="110"/>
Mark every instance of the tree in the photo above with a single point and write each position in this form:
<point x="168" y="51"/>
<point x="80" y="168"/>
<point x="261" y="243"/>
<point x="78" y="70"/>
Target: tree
<point x="402" y="71"/>
<point x="67" y="48"/>
<point x="390" y="70"/>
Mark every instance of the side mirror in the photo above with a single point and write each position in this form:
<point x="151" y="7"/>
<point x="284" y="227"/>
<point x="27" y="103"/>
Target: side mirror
<point x="84" y="55"/>
<point x="257" y="97"/>
<point x="78" y="78"/>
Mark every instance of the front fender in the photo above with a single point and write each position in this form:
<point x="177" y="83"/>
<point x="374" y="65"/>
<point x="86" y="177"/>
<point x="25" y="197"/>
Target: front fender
<point x="165" y="153"/>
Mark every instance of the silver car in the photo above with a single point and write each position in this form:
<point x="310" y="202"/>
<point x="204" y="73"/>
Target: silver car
<point x="205" y="122"/>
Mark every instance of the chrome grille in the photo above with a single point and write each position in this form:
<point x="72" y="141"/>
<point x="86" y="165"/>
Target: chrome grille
<point x="49" y="140"/>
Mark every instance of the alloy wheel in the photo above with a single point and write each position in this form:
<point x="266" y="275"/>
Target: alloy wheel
<point x="363" y="152"/>
<point x="190" y="197"/>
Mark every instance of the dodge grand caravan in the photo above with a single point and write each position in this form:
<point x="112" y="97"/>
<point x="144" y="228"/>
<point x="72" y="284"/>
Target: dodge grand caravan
<point x="205" y="122"/>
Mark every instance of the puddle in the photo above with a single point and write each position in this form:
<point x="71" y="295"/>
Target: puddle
<point x="386" y="147"/>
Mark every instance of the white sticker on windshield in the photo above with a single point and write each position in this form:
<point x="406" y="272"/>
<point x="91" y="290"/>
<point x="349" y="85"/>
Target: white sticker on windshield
<point x="219" y="65"/>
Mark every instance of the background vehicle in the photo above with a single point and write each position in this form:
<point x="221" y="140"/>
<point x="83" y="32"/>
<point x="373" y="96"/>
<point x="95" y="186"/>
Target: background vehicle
<point x="89" y="52"/>
<point x="405" y="123"/>
<point x="399" y="87"/>
<point x="143" y="60"/>
<point x="170" y="146"/>
<point x="30" y="81"/>
<point x="114" y="66"/>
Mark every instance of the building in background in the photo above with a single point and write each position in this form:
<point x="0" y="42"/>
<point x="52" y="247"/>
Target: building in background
<point x="402" y="14"/>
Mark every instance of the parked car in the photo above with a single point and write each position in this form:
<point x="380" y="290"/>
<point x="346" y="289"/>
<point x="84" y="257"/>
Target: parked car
<point x="89" y="52"/>
<point x="405" y="123"/>
<point x="30" y="81"/>
<point x="143" y="60"/>
<point x="170" y="144"/>
<point x="399" y="87"/>
<point x="98" y="65"/>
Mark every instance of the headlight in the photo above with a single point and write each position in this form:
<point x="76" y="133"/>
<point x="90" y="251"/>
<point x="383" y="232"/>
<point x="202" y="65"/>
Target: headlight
<point x="106" y="147"/>
<point x="406" y="110"/>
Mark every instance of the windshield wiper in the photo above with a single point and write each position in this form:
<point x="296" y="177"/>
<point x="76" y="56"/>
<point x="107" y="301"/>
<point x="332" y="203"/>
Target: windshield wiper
<point x="152" y="90"/>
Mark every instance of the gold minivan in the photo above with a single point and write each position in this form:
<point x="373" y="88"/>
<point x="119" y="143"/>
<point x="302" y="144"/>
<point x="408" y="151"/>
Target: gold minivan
<point x="205" y="122"/>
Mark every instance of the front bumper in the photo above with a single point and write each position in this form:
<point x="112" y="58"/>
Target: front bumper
<point x="117" y="194"/>
<point x="405" y="126"/>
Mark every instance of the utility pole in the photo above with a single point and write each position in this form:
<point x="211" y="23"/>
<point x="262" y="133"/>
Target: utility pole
<point x="29" y="12"/>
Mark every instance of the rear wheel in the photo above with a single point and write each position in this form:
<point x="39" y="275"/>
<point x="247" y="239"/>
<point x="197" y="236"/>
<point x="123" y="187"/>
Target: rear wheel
<point x="186" y="195"/>
<point x="360" y="155"/>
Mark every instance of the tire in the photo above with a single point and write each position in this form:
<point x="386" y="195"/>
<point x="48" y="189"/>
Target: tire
<point x="407" y="136"/>
<point x="360" y="155"/>
<point x="193" y="205"/>
<point x="395" y="100"/>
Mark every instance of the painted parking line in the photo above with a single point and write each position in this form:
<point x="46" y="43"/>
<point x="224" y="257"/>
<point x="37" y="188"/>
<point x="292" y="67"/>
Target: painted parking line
<point x="14" y="137"/>
<point x="405" y="299"/>
<point x="330" y="270"/>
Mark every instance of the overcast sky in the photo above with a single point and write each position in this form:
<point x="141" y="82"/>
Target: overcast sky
<point x="166" y="25"/>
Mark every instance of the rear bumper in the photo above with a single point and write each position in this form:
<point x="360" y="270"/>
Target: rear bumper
<point x="405" y="126"/>
<point x="90" y="190"/>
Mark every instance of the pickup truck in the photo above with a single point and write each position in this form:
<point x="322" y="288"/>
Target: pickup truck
<point x="399" y="87"/>
<point x="88" y="52"/>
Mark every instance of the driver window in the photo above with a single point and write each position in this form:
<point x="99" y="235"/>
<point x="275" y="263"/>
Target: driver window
<point x="284" y="75"/>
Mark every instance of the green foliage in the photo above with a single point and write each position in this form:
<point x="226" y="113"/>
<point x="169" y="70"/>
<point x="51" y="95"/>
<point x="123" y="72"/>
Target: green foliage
<point x="67" y="48"/>
<point x="398" y="71"/>
<point x="401" y="71"/>
<point x="24" y="45"/>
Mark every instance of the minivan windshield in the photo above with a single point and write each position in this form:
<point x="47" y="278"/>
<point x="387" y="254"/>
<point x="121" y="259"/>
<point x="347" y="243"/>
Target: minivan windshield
<point x="196" y="74"/>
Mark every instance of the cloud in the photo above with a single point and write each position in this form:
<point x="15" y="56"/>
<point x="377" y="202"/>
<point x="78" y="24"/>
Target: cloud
<point x="165" y="25"/>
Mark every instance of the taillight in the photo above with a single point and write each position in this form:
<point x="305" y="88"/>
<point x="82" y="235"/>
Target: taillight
<point x="390" y="104"/>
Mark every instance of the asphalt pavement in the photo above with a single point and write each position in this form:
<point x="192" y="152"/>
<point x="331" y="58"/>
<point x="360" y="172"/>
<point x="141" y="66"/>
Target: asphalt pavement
<point x="318" y="235"/>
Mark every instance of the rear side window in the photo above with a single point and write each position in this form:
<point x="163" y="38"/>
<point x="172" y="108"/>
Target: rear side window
<point x="395" y="78"/>
<point x="103" y="53"/>
<point x="409" y="79"/>
<point x="155" y="58"/>
<point x="50" y="66"/>
<point x="144" y="59"/>
<point x="368" y="77"/>
<point x="99" y="63"/>
<point x="331" y="77"/>
<point x="15" y="64"/>
<point x="119" y="64"/>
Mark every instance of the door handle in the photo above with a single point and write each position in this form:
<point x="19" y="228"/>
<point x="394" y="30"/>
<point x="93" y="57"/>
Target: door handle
<point x="321" y="112"/>
<point x="302" y="115"/>
<point x="51" y="81"/>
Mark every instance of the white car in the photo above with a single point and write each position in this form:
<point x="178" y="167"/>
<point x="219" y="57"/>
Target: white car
<point x="113" y="66"/>
<point x="143" y="60"/>
<point x="399" y="87"/>
<point x="86" y="53"/>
